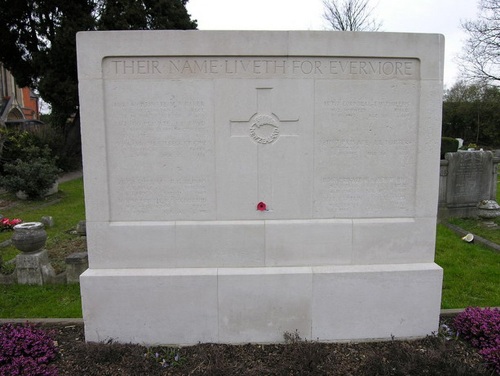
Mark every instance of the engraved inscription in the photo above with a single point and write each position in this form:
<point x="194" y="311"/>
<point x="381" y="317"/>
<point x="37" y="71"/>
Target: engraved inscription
<point x="366" y="150"/>
<point x="163" y="115"/>
<point x="161" y="151"/>
<point x="468" y="177"/>
<point x="210" y="67"/>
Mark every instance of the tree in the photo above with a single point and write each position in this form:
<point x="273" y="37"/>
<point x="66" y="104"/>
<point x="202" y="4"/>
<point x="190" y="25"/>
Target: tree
<point x="472" y="112"/>
<point x="480" y="60"/>
<point x="38" y="44"/>
<point x="37" y="38"/>
<point x="350" y="15"/>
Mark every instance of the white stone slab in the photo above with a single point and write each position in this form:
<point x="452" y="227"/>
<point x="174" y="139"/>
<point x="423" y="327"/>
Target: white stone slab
<point x="219" y="244"/>
<point x="319" y="242"/>
<point x="240" y="305"/>
<point x="130" y="244"/>
<point x="362" y="302"/>
<point x="185" y="132"/>
<point x="393" y="241"/>
<point x="261" y="305"/>
<point x="152" y="306"/>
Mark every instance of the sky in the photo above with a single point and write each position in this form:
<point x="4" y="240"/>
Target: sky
<point x="415" y="16"/>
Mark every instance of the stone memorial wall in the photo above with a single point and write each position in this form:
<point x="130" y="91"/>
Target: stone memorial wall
<point x="240" y="185"/>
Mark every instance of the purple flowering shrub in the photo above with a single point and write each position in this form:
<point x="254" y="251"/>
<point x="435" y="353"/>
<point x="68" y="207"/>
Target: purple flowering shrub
<point x="26" y="351"/>
<point x="482" y="328"/>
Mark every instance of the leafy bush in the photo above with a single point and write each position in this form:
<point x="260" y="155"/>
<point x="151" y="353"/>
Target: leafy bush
<point x="17" y="144"/>
<point x="482" y="328"/>
<point x="26" y="351"/>
<point x="65" y="149"/>
<point x="448" y="145"/>
<point x="34" y="173"/>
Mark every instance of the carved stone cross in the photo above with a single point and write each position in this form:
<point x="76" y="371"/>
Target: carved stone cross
<point x="264" y="128"/>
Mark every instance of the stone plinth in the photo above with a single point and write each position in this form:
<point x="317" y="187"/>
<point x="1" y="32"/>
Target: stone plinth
<point x="76" y="264"/>
<point x="34" y="268"/>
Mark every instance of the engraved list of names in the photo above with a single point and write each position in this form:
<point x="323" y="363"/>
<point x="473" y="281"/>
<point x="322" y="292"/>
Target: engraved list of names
<point x="167" y="130"/>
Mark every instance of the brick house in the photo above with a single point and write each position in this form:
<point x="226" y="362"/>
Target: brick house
<point x="16" y="103"/>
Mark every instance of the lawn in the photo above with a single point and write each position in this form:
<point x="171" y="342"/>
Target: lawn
<point x="67" y="209"/>
<point x="471" y="272"/>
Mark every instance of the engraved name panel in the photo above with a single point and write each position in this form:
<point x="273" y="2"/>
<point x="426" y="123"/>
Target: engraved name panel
<point x="160" y="150"/>
<point x="365" y="149"/>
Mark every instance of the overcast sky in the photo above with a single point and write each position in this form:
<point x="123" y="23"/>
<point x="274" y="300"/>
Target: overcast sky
<point x="419" y="16"/>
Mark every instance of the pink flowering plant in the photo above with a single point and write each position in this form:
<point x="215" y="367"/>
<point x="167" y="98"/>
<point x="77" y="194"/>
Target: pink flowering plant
<point x="8" y="224"/>
<point x="26" y="351"/>
<point x="481" y="327"/>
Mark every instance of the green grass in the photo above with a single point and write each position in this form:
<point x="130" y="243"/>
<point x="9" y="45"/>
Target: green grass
<point x="471" y="272"/>
<point x="477" y="227"/>
<point x="66" y="208"/>
<point x="55" y="301"/>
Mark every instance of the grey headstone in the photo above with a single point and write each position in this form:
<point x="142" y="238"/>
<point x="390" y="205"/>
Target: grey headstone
<point x="47" y="221"/>
<point x="469" y="177"/>
<point x="81" y="228"/>
<point x="76" y="264"/>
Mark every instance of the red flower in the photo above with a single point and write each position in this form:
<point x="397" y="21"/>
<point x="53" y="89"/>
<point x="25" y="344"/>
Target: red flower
<point x="15" y="221"/>
<point x="261" y="206"/>
<point x="7" y="224"/>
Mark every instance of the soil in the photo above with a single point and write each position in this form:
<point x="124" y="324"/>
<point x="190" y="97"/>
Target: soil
<point x="434" y="355"/>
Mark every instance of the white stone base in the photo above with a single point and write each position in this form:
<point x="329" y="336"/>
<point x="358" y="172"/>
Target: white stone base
<point x="240" y="305"/>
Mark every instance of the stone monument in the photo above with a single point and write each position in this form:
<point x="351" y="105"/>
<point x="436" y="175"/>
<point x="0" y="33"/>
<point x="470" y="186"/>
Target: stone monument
<point x="240" y="185"/>
<point x="466" y="179"/>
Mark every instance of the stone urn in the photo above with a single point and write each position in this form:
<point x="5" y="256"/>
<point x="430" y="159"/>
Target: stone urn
<point x="29" y="237"/>
<point x="488" y="209"/>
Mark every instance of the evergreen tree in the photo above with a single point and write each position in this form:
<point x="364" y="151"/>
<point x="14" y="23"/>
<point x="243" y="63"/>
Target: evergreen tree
<point x="472" y="112"/>
<point x="37" y="38"/>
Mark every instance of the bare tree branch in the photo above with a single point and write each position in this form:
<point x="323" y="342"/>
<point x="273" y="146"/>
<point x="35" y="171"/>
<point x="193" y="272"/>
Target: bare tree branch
<point x="350" y="15"/>
<point x="480" y="59"/>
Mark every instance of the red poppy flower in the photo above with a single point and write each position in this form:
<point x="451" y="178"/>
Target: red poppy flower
<point x="261" y="206"/>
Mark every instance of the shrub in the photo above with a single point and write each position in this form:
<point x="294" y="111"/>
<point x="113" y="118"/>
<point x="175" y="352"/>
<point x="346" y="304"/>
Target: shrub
<point x="34" y="174"/>
<point x="65" y="149"/>
<point x="448" y="145"/>
<point x="26" y="351"/>
<point x="17" y="144"/>
<point x="482" y="328"/>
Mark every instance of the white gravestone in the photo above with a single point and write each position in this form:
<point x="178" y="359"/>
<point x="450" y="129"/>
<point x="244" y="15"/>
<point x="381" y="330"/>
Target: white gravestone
<point x="336" y="134"/>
